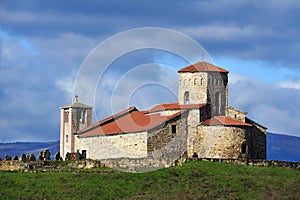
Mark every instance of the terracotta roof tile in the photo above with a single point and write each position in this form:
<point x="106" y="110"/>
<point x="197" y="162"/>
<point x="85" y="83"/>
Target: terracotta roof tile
<point x="222" y="120"/>
<point x="134" y="121"/>
<point x="202" y="67"/>
<point x="174" y="106"/>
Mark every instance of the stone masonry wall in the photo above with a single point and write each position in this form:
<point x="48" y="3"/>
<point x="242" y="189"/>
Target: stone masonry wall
<point x="195" y="84"/>
<point x="13" y="165"/>
<point x="217" y="92"/>
<point x="236" y="114"/>
<point x="219" y="142"/>
<point x="168" y="146"/>
<point x="256" y="140"/>
<point x="193" y="120"/>
<point x="132" y="145"/>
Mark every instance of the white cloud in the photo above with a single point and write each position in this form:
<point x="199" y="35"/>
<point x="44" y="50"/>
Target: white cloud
<point x="273" y="106"/>
<point x="66" y="85"/>
<point x="290" y="84"/>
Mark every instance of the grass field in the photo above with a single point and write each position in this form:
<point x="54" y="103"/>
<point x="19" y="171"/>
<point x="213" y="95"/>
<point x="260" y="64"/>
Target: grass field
<point x="194" y="180"/>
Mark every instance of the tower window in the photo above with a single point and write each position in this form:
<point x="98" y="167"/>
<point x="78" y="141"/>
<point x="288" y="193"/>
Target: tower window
<point x="186" y="97"/>
<point x="67" y="138"/>
<point x="201" y="81"/>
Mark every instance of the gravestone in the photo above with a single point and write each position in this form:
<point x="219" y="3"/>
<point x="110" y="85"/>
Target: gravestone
<point x="57" y="156"/>
<point x="7" y="157"/>
<point x="32" y="157"/>
<point x="23" y="158"/>
<point x="47" y="154"/>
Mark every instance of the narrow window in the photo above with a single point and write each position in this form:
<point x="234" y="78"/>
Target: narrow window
<point x="186" y="97"/>
<point x="173" y="127"/>
<point x="235" y="116"/>
<point x="83" y="155"/>
<point x="244" y="148"/>
<point x="67" y="138"/>
<point x="195" y="81"/>
<point x="201" y="81"/>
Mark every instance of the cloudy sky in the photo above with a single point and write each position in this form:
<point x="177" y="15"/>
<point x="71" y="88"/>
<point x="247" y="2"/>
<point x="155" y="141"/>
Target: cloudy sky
<point x="43" y="45"/>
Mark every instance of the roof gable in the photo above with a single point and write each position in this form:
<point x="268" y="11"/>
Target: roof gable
<point x="202" y="67"/>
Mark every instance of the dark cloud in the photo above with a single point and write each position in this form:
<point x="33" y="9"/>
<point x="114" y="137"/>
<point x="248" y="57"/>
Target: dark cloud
<point x="43" y="44"/>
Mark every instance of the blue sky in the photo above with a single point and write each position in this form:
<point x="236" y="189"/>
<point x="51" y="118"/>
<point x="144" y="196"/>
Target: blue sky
<point x="44" y="43"/>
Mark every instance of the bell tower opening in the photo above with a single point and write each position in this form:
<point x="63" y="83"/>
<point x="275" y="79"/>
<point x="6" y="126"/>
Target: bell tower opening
<point x="186" y="97"/>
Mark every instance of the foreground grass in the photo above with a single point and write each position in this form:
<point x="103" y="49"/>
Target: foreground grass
<point x="194" y="180"/>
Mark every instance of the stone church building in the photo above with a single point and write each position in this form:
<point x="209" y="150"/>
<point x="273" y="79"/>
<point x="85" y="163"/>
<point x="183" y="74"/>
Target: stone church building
<point x="200" y="124"/>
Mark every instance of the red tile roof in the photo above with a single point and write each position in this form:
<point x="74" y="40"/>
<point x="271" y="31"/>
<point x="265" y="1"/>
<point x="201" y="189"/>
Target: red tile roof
<point x="222" y="120"/>
<point x="174" y="106"/>
<point x="202" y="67"/>
<point x="127" y="122"/>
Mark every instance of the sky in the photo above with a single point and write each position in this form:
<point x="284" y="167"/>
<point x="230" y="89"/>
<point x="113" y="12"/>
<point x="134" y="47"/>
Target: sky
<point x="45" y="44"/>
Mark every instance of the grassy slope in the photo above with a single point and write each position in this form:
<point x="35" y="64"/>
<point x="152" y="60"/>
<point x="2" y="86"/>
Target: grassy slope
<point x="195" y="180"/>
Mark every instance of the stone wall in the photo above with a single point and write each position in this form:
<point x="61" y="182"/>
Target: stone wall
<point x="236" y="114"/>
<point x="253" y="162"/>
<point x="195" y="84"/>
<point x="193" y="120"/>
<point x="217" y="92"/>
<point x="132" y="145"/>
<point x="167" y="145"/>
<point x="14" y="165"/>
<point x="130" y="165"/>
<point x="219" y="142"/>
<point x="256" y="141"/>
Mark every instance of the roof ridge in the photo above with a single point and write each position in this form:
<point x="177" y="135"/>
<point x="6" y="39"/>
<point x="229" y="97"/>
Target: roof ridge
<point x="203" y="66"/>
<point x="109" y="119"/>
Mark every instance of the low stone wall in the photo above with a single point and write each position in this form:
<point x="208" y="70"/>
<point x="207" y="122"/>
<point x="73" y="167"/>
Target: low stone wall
<point x="254" y="162"/>
<point x="10" y="165"/>
<point x="129" y="164"/>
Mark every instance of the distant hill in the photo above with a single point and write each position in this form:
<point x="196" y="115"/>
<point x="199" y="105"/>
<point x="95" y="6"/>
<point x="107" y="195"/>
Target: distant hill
<point x="18" y="148"/>
<point x="279" y="147"/>
<point x="283" y="147"/>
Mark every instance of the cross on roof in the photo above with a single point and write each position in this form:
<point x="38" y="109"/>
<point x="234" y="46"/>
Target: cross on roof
<point x="76" y="98"/>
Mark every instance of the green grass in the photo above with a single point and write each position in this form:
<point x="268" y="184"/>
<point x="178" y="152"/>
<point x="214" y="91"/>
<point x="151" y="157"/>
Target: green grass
<point x="194" y="180"/>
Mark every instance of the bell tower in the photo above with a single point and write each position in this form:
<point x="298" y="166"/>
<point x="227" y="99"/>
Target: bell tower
<point x="204" y="83"/>
<point x="73" y="117"/>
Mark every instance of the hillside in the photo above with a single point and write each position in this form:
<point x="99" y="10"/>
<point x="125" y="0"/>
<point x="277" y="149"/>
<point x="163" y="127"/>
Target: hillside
<point x="193" y="180"/>
<point x="283" y="147"/>
<point x="18" y="148"/>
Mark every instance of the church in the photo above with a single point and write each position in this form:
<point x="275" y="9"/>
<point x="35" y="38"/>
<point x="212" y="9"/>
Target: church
<point x="200" y="124"/>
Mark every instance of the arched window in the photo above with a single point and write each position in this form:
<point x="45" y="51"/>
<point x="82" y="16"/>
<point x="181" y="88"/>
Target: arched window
<point x="186" y="97"/>
<point x="201" y="81"/>
<point x="195" y="81"/>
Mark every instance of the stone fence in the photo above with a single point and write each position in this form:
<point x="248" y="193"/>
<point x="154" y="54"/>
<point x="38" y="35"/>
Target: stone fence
<point x="254" y="162"/>
<point x="127" y="164"/>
